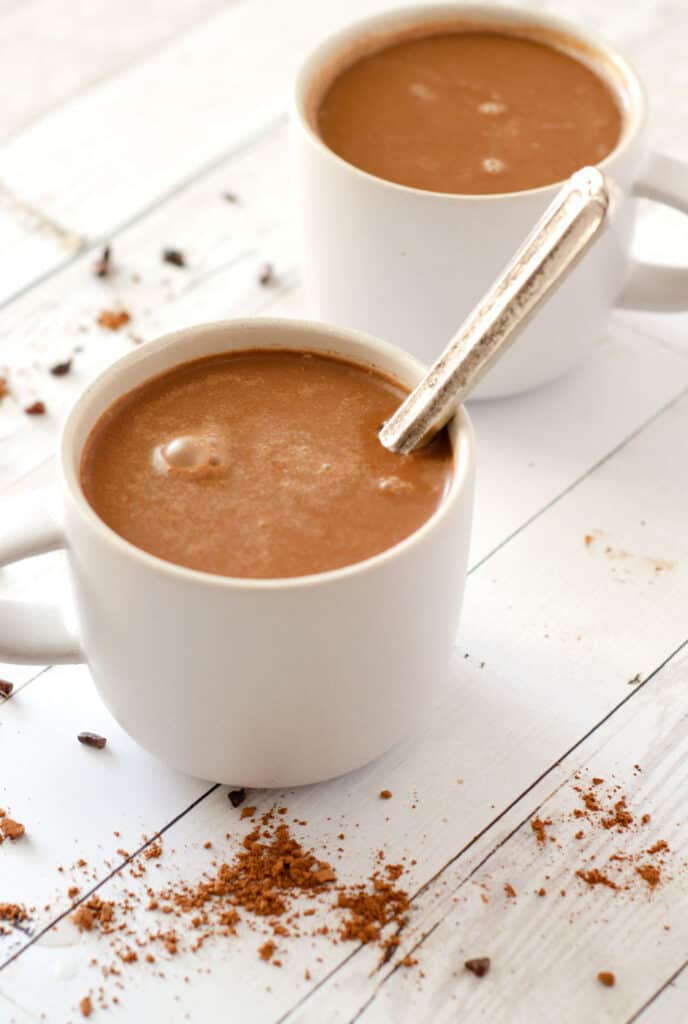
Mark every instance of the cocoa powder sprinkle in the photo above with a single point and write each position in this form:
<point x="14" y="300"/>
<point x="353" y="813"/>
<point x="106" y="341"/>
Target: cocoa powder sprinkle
<point x="113" y="319"/>
<point x="538" y="826"/>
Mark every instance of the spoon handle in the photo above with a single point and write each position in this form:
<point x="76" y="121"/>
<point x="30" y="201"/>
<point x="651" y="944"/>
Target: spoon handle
<point x="554" y="245"/>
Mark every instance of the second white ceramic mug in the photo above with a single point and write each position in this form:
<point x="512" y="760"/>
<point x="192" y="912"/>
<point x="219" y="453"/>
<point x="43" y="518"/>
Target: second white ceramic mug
<point x="246" y="681"/>
<point x="408" y="265"/>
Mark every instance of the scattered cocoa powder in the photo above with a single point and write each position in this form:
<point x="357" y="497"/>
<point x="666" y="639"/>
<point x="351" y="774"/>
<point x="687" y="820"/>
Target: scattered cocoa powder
<point x="385" y="794"/>
<point x="86" y="1006"/>
<point x="113" y="319"/>
<point x="371" y="909"/>
<point x="11" y="829"/>
<point x="606" y="978"/>
<point x="595" y="877"/>
<point x="650" y="874"/>
<point x="247" y="812"/>
<point x="94" y="913"/>
<point x="4" y="388"/>
<point x="12" y="912"/>
<point x="509" y="890"/>
<point x="538" y="826"/>
<point x="266" y="950"/>
<point x="620" y="819"/>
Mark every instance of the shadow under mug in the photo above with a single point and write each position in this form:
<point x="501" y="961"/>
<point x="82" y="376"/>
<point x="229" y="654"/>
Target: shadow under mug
<point x="245" y="681"/>
<point x="409" y="265"/>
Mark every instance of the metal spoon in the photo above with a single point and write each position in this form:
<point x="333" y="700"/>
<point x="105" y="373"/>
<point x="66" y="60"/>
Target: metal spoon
<point x="549" y="252"/>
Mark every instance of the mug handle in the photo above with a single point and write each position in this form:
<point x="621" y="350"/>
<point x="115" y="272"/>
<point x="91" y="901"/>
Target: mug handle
<point x="33" y="634"/>
<point x="649" y="286"/>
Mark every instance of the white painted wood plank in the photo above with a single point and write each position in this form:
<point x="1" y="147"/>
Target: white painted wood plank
<point x="11" y="1013"/>
<point x="77" y="44"/>
<point x="546" y="951"/>
<point x="554" y="630"/>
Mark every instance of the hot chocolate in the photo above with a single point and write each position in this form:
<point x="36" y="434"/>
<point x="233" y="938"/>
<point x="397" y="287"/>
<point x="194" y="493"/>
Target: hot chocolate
<point x="262" y="463"/>
<point x="469" y="111"/>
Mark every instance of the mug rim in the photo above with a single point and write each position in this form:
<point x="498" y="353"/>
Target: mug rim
<point x="634" y="115"/>
<point x="69" y="453"/>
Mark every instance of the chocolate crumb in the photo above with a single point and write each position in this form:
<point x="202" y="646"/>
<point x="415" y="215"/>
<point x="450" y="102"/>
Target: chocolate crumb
<point x="61" y="369"/>
<point x="92" y="739"/>
<point x="385" y="794"/>
<point x="606" y="978"/>
<point x="174" y="256"/>
<point x="479" y="966"/>
<point x="6" y="688"/>
<point x="509" y="890"/>
<point x="266" y="274"/>
<point x="248" y="812"/>
<point x="101" y="266"/>
<point x="230" y="197"/>
<point x="236" y="797"/>
<point x="4" y="388"/>
<point x="86" y="1006"/>
<point x="35" y="409"/>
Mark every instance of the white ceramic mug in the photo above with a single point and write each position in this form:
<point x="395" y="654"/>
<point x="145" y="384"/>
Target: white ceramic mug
<point x="249" y="682"/>
<point x="408" y="265"/>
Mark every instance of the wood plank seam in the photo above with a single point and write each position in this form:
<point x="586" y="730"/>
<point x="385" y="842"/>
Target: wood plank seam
<point x="625" y="321"/>
<point x="22" y="686"/>
<point x="111" y="874"/>
<point x="638" y="1015"/>
<point x="491" y="852"/>
<point x="582" y="477"/>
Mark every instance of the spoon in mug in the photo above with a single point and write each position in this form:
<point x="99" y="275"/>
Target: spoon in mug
<point x="553" y="247"/>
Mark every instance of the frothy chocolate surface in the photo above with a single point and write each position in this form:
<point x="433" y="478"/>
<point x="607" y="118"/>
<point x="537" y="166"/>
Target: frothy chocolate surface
<point x="470" y="112"/>
<point x="260" y="464"/>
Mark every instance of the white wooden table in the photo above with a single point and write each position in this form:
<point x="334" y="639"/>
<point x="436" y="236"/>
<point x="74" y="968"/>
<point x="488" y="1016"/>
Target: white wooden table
<point x="126" y="123"/>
